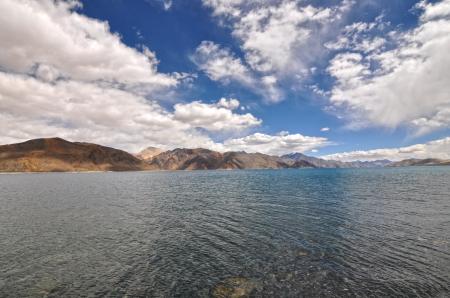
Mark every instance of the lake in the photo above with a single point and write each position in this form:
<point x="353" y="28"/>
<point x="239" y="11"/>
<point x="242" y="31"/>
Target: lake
<point x="266" y="233"/>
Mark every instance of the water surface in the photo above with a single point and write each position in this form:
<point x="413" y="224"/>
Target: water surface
<point x="283" y="233"/>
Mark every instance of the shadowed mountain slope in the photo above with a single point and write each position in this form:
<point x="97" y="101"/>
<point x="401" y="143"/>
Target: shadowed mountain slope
<point x="323" y="163"/>
<point x="203" y="159"/>
<point x="421" y="162"/>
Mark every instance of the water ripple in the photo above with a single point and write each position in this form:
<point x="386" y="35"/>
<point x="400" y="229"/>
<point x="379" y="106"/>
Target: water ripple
<point x="284" y="233"/>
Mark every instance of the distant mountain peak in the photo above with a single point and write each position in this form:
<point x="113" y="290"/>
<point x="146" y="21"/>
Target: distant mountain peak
<point x="148" y="153"/>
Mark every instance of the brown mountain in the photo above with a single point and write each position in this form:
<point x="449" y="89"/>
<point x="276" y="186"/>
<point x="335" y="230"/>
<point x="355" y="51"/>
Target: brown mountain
<point x="148" y="153"/>
<point x="186" y="159"/>
<point x="420" y="162"/>
<point x="204" y="159"/>
<point x="58" y="155"/>
<point x="243" y="160"/>
<point x="324" y="163"/>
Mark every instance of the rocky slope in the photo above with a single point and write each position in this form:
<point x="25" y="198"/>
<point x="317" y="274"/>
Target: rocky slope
<point x="420" y="162"/>
<point x="186" y="159"/>
<point x="203" y="159"/>
<point x="148" y="153"/>
<point x="322" y="163"/>
<point x="58" y="155"/>
<point x="317" y="162"/>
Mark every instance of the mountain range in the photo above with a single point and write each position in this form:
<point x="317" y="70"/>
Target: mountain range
<point x="323" y="163"/>
<point x="59" y="155"/>
<point x="204" y="159"/>
<point x="420" y="162"/>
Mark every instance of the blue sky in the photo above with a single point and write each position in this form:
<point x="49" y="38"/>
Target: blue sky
<point x="284" y="69"/>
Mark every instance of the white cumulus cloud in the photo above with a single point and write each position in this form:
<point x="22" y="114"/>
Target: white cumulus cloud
<point x="51" y="34"/>
<point x="215" y="117"/>
<point x="405" y="84"/>
<point x="282" y="143"/>
<point x="280" y="38"/>
<point x="221" y="65"/>
<point x="434" y="149"/>
<point x="30" y="108"/>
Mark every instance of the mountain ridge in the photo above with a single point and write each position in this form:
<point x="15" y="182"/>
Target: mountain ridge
<point x="420" y="162"/>
<point x="59" y="155"/>
<point x="324" y="163"/>
<point x="205" y="159"/>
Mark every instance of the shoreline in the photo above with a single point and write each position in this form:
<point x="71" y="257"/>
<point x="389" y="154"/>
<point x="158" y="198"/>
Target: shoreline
<point x="206" y="170"/>
<point x="153" y="171"/>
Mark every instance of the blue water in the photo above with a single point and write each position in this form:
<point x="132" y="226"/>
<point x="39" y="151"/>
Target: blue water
<point x="265" y="233"/>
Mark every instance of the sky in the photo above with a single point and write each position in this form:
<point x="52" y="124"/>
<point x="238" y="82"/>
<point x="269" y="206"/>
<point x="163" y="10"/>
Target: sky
<point x="338" y="79"/>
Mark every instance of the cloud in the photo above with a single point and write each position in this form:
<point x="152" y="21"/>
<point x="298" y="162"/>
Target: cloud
<point x="215" y="117"/>
<point x="279" y="38"/>
<point x="325" y="129"/>
<point x="220" y="64"/>
<point x="167" y="4"/>
<point x="39" y="36"/>
<point x="434" y="149"/>
<point x="406" y="83"/>
<point x="81" y="111"/>
<point x="282" y="143"/>
<point x="226" y="8"/>
<point x="383" y="77"/>
<point x="231" y="104"/>
<point x="360" y="37"/>
<point x="30" y="108"/>
<point x="434" y="11"/>
<point x="273" y="36"/>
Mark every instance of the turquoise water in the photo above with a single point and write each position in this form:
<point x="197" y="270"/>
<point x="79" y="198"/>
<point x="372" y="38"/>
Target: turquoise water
<point x="281" y="233"/>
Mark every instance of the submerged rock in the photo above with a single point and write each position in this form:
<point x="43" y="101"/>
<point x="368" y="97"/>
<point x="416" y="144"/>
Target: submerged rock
<point x="301" y="252"/>
<point x="44" y="287"/>
<point x="234" y="287"/>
